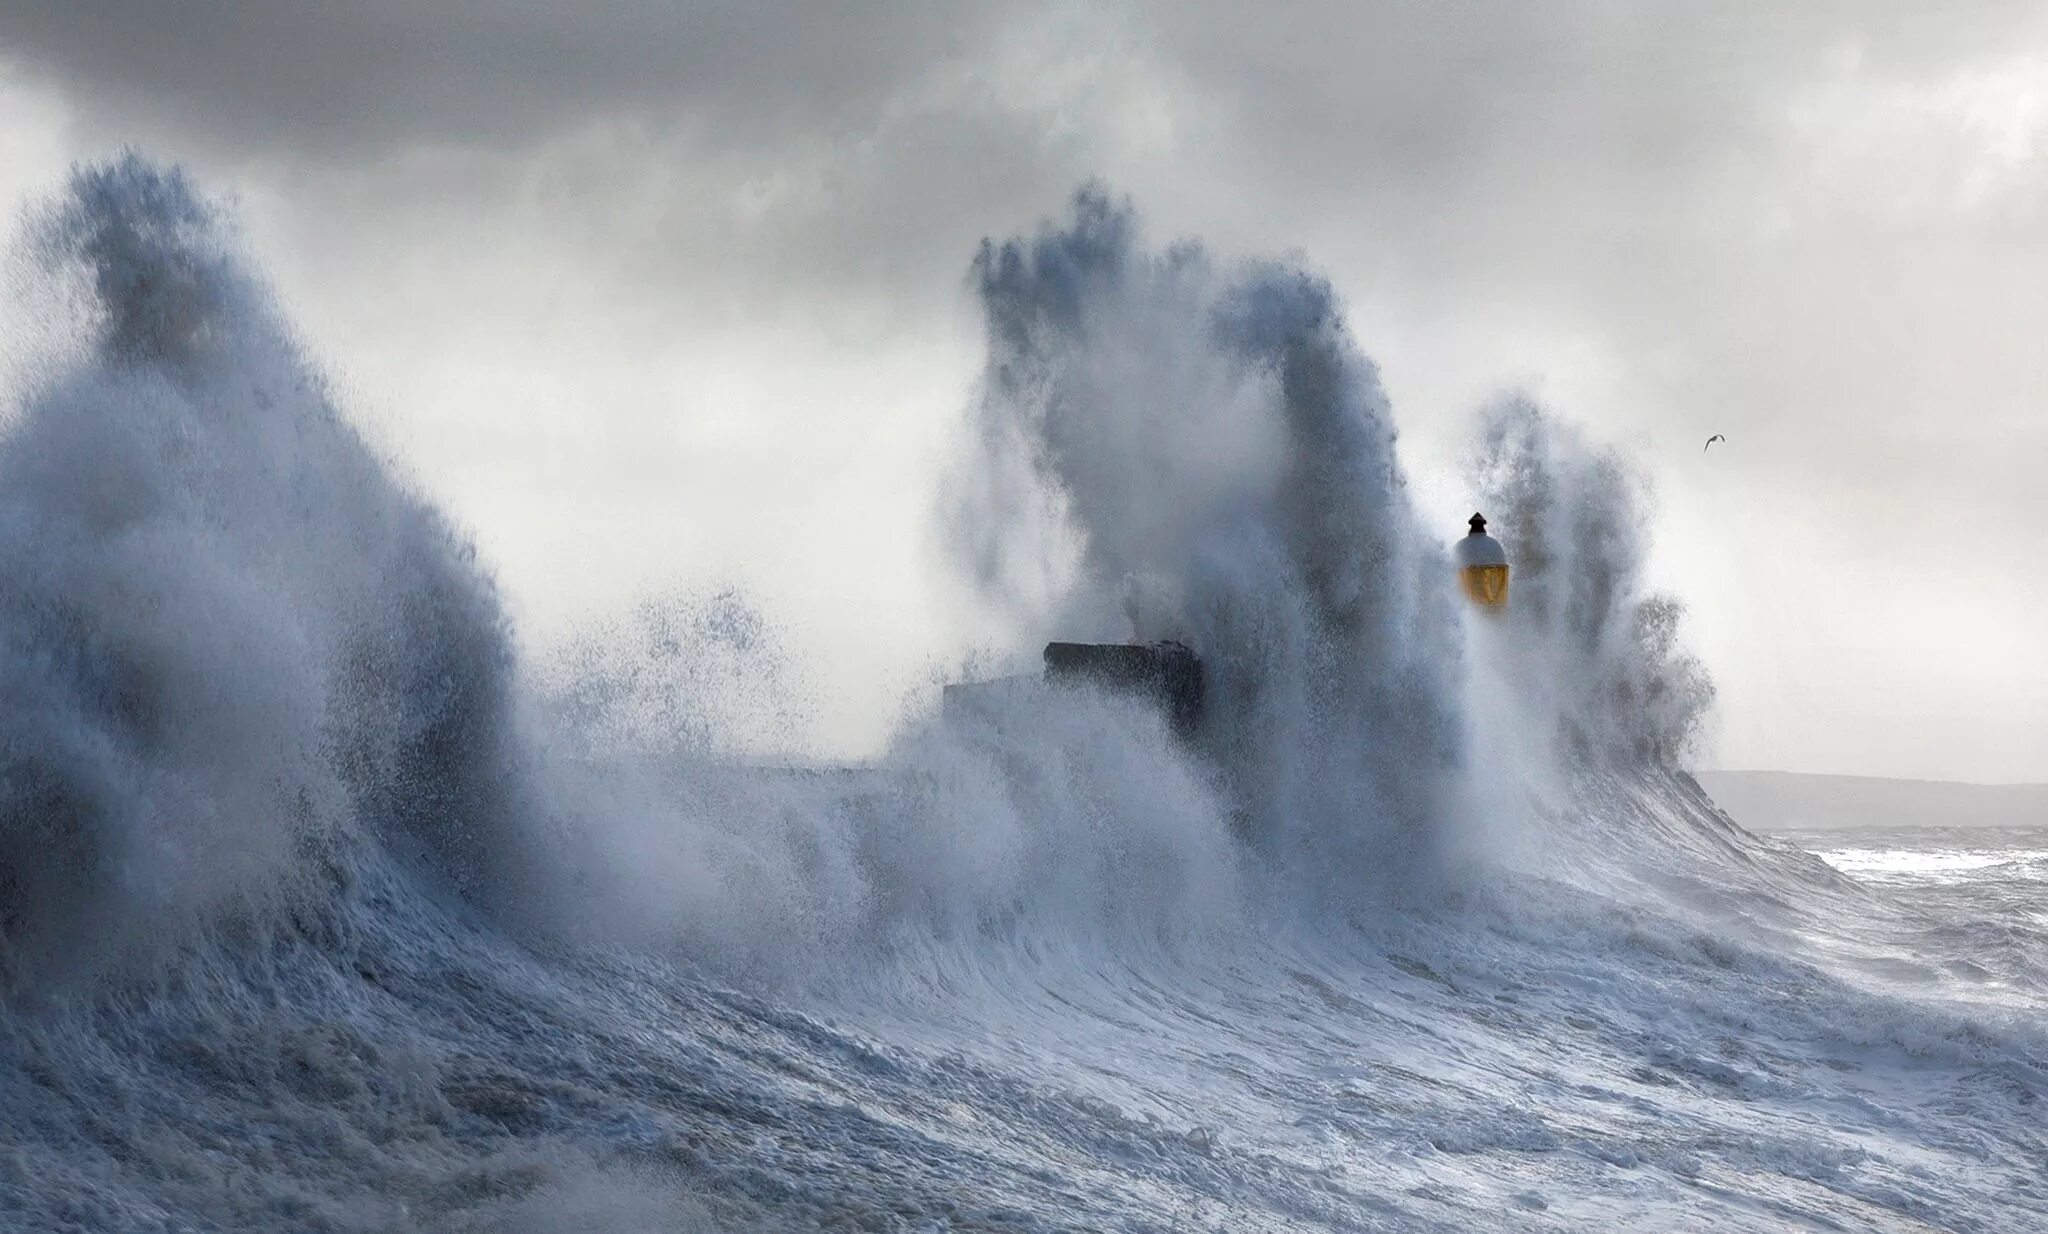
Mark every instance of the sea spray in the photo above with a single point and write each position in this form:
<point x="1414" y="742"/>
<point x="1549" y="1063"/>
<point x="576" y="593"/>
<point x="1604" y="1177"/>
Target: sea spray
<point x="230" y="641"/>
<point x="1597" y="646"/>
<point x="241" y="646"/>
<point x="1207" y="435"/>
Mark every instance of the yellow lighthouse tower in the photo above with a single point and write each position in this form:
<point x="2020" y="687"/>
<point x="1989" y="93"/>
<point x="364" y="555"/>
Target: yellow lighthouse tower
<point x="1482" y="567"/>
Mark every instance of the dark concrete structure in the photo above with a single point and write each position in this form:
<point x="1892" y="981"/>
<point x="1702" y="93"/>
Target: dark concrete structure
<point x="1168" y="674"/>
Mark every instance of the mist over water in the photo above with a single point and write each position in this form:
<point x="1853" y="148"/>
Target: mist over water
<point x="322" y="908"/>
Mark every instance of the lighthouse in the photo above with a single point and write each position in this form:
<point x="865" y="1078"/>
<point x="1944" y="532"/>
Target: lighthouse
<point x="1482" y="567"/>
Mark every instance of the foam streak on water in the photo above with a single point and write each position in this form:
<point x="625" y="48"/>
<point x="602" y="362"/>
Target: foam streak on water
<point x="320" y="910"/>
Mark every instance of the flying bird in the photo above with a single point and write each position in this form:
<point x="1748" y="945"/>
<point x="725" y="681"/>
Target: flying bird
<point x="1710" y="442"/>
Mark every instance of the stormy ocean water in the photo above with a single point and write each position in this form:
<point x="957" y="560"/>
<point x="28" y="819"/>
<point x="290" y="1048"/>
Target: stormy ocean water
<point x="324" y="908"/>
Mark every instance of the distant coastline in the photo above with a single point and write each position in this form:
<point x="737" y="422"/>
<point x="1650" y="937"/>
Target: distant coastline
<point x="1772" y="801"/>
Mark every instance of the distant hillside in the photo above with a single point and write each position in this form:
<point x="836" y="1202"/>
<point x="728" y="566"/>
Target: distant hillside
<point x="1785" y="801"/>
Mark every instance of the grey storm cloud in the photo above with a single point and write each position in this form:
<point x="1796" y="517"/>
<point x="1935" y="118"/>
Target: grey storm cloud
<point x="345" y="78"/>
<point x="1493" y="148"/>
<point x="1494" y="144"/>
<point x="1422" y="85"/>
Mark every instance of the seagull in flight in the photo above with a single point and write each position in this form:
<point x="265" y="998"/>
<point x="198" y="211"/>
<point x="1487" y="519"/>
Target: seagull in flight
<point x="1710" y="442"/>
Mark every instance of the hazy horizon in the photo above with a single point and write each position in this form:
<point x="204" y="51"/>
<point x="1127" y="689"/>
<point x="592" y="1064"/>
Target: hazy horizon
<point x="1836" y="775"/>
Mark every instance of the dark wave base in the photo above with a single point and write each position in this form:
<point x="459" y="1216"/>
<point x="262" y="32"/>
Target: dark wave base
<point x="1528" y="1055"/>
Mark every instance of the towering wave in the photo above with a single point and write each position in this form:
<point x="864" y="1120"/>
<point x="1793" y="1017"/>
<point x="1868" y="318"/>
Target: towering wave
<point x="1168" y="445"/>
<point x="231" y="646"/>
<point x="241" y="655"/>
<point x="238" y="650"/>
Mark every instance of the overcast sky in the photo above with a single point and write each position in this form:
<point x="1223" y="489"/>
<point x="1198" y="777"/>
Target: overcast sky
<point x="671" y="295"/>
